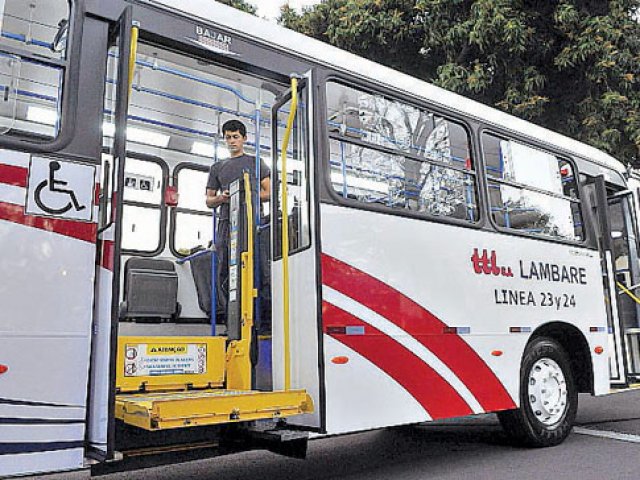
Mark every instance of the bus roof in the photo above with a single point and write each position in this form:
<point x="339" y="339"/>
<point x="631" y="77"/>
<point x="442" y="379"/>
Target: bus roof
<point x="271" y="33"/>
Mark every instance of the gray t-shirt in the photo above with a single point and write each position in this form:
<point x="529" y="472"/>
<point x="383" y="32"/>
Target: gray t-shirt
<point x="222" y="173"/>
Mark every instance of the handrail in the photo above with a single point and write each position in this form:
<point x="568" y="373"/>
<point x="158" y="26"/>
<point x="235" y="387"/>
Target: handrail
<point x="628" y="292"/>
<point x="285" y="233"/>
<point x="133" y="53"/>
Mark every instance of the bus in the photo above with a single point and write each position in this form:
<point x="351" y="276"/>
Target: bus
<point x="421" y="257"/>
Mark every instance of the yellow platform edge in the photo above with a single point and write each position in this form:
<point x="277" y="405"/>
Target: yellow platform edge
<point x="161" y="411"/>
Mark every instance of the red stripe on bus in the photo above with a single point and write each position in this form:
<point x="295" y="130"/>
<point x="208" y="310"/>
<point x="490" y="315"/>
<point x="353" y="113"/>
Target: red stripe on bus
<point x="108" y="254"/>
<point x="433" y="392"/>
<point x="425" y="327"/>
<point x="69" y="228"/>
<point x="12" y="175"/>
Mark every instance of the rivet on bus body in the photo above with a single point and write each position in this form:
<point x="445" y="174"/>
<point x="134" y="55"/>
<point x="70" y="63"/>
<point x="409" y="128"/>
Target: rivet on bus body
<point x="598" y="350"/>
<point x="496" y="353"/>
<point x="340" y="360"/>
<point x="3" y="369"/>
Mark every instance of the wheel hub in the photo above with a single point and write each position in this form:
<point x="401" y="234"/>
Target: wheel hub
<point x="547" y="391"/>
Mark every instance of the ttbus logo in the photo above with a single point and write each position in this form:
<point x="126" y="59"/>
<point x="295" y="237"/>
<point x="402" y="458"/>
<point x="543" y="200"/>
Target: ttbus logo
<point x="487" y="263"/>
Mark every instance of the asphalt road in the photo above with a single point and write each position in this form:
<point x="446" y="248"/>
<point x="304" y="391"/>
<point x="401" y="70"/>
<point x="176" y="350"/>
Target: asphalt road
<point x="460" y="449"/>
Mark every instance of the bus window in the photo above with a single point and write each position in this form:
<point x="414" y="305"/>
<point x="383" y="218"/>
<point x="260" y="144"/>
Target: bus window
<point x="32" y="66"/>
<point x="142" y="206"/>
<point x="192" y="223"/>
<point x="531" y="190"/>
<point x="389" y="153"/>
<point x="297" y="180"/>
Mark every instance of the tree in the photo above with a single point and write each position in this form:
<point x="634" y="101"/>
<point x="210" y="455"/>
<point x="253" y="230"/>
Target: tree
<point x="570" y="65"/>
<point x="240" y="5"/>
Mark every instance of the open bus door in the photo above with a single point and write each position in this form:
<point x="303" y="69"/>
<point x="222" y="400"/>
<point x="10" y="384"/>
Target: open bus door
<point x="624" y="242"/>
<point x="619" y="245"/>
<point x="296" y="354"/>
<point x="101" y="394"/>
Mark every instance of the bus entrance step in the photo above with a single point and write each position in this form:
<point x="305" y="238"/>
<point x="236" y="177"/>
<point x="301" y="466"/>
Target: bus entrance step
<point x="161" y="411"/>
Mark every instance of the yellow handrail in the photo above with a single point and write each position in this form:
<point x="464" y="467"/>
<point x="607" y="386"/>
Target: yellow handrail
<point x="285" y="233"/>
<point x="133" y="52"/>
<point x="628" y="292"/>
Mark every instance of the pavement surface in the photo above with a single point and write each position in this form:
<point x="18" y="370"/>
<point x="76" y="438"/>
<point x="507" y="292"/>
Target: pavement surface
<point x="605" y="445"/>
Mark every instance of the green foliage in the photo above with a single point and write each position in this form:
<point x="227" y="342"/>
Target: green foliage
<point x="240" y="5"/>
<point x="569" y="65"/>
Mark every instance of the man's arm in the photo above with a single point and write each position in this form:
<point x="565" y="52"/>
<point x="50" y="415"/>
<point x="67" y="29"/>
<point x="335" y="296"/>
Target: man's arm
<point x="214" y="200"/>
<point x="265" y="189"/>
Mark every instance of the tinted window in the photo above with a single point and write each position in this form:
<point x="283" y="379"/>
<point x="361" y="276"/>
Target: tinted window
<point x="390" y="153"/>
<point x="531" y="190"/>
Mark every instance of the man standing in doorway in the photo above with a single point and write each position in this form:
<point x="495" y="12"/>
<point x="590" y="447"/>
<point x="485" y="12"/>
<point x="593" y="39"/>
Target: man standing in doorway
<point x="221" y="175"/>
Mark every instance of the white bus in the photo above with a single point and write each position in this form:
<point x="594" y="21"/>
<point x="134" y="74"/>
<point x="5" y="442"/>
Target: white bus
<point x="442" y="258"/>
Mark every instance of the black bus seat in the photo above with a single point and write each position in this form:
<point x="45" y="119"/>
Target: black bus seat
<point x="150" y="291"/>
<point x="201" y="272"/>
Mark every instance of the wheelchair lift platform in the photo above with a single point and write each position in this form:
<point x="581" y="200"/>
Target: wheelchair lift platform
<point x="161" y="411"/>
<point x="175" y="382"/>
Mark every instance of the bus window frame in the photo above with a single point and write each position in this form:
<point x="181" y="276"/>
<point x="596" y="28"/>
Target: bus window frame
<point x="395" y="95"/>
<point x="68" y="96"/>
<point x="162" y="238"/>
<point x="585" y="241"/>
<point x="177" y="209"/>
<point x="305" y="87"/>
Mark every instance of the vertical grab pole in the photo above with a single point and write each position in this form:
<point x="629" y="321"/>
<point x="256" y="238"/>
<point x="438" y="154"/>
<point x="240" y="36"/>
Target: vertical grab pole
<point x="214" y="274"/>
<point x="258" y="213"/>
<point x="285" y="233"/>
<point x="214" y="252"/>
<point x="133" y="53"/>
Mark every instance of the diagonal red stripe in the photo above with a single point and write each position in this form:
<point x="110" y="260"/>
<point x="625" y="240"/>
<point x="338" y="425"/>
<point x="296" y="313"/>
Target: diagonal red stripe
<point x="452" y="350"/>
<point x="434" y="393"/>
<point x="12" y="175"/>
<point x="68" y="228"/>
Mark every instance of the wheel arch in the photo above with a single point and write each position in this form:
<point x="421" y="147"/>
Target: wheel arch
<point x="574" y="343"/>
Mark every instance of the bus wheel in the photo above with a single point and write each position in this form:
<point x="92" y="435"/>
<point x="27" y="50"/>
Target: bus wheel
<point x="548" y="397"/>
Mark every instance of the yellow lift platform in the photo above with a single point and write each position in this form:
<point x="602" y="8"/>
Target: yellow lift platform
<point x="175" y="382"/>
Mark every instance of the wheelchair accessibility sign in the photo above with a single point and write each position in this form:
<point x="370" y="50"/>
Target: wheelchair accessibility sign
<point x="60" y="188"/>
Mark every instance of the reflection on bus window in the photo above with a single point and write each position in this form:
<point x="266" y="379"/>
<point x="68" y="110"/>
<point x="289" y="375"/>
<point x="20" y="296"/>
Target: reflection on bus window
<point x="30" y="86"/>
<point x="39" y="27"/>
<point x="297" y="183"/>
<point x="531" y="190"/>
<point x="390" y="153"/>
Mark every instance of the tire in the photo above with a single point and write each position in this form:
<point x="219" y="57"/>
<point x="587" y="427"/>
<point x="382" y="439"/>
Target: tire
<point x="548" y="397"/>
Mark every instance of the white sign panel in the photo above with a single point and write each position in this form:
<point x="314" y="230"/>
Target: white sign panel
<point x="60" y="188"/>
<point x="147" y="359"/>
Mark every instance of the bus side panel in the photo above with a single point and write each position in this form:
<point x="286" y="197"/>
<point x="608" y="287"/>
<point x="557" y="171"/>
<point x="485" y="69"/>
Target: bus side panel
<point x="101" y="350"/>
<point x="412" y="301"/>
<point x="47" y="267"/>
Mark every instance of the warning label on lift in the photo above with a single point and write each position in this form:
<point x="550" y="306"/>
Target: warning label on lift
<point x="148" y="359"/>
